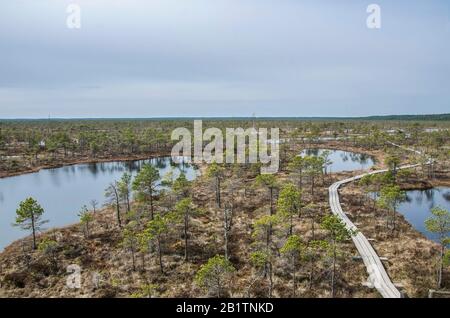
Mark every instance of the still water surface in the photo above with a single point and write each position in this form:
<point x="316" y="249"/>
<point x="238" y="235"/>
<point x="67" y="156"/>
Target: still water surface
<point x="343" y="160"/>
<point x="63" y="191"/>
<point x="418" y="204"/>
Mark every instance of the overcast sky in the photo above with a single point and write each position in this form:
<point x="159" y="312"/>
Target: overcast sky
<point x="153" y="58"/>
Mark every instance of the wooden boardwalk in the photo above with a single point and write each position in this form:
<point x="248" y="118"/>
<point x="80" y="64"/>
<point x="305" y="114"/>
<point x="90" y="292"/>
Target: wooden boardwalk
<point x="378" y="276"/>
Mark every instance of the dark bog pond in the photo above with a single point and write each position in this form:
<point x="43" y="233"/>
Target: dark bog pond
<point x="63" y="191"/>
<point x="343" y="160"/>
<point x="418" y="204"/>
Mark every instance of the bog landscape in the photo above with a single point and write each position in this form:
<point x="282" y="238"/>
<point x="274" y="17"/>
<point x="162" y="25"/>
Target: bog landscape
<point x="224" y="156"/>
<point x="106" y="212"/>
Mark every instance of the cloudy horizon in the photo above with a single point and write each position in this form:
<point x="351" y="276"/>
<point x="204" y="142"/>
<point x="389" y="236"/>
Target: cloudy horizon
<point x="223" y="58"/>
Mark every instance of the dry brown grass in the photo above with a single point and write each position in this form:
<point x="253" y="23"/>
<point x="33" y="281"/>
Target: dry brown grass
<point x="410" y="254"/>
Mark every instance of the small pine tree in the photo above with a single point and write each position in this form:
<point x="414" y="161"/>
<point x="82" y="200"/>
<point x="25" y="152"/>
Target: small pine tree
<point x="262" y="234"/>
<point x="85" y="218"/>
<point x="216" y="171"/>
<point x="154" y="232"/>
<point x="293" y="250"/>
<point x="29" y="217"/>
<point x="390" y="197"/>
<point x="337" y="232"/>
<point x="181" y="186"/>
<point x="130" y="241"/>
<point x="145" y="184"/>
<point x="214" y="275"/>
<point x="439" y="223"/>
<point x="49" y="248"/>
<point x="146" y="291"/>
<point x="269" y="181"/>
<point x="289" y="203"/>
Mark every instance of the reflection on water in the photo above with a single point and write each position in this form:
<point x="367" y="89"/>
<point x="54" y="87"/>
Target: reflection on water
<point x="416" y="208"/>
<point x="343" y="160"/>
<point x="418" y="204"/>
<point x="62" y="191"/>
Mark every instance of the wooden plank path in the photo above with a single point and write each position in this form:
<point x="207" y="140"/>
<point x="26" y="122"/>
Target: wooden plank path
<point x="378" y="276"/>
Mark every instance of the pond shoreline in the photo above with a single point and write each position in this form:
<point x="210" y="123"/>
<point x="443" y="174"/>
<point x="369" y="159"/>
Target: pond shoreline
<point x="425" y="184"/>
<point x="61" y="189"/>
<point x="332" y="145"/>
<point x="378" y="155"/>
<point x="404" y="247"/>
<point x="86" y="160"/>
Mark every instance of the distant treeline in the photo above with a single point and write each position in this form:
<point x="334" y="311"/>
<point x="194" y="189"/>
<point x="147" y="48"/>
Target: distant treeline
<point x="431" y="117"/>
<point x="437" y="117"/>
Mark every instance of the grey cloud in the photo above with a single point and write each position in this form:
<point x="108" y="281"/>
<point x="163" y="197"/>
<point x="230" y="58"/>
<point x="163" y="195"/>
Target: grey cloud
<point x="223" y="57"/>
